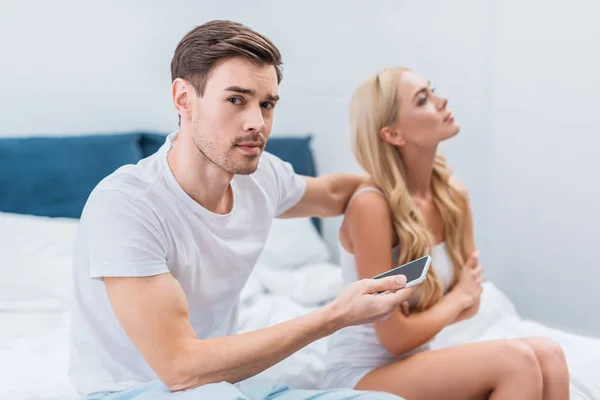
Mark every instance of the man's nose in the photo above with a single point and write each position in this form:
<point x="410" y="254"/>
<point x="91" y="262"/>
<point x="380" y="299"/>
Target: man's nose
<point x="254" y="120"/>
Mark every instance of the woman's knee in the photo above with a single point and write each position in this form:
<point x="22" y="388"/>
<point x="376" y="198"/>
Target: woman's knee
<point x="521" y="361"/>
<point x="548" y="352"/>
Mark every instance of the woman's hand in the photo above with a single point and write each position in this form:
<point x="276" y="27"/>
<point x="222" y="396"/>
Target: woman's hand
<point x="468" y="289"/>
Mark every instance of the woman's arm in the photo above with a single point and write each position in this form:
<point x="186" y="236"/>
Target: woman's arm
<point x="369" y="228"/>
<point x="469" y="244"/>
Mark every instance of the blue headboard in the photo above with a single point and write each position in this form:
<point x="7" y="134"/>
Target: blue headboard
<point x="53" y="176"/>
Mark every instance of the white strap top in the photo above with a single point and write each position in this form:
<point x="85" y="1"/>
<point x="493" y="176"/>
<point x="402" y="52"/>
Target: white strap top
<point x="440" y="260"/>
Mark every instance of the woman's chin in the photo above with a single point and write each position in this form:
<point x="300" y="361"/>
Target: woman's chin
<point x="451" y="132"/>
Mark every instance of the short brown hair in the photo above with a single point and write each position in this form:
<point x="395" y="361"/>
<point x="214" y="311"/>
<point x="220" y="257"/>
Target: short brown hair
<point x="205" y="46"/>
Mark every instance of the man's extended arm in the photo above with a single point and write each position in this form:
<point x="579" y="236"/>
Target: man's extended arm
<point x="153" y="311"/>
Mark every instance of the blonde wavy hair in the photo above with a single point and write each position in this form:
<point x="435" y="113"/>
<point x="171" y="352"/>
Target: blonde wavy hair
<point x="375" y="105"/>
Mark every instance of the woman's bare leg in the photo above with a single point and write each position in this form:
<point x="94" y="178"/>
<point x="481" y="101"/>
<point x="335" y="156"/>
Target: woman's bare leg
<point x="555" y="374"/>
<point x="501" y="369"/>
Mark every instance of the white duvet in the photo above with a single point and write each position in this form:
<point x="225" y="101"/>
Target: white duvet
<point x="34" y="350"/>
<point x="497" y="319"/>
<point x="34" y="327"/>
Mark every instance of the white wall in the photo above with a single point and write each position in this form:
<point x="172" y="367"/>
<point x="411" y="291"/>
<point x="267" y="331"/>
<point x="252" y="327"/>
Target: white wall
<point x="73" y="67"/>
<point x="545" y="148"/>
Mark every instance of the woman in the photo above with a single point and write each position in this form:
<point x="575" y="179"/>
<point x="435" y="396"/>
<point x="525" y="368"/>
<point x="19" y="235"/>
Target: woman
<point x="413" y="206"/>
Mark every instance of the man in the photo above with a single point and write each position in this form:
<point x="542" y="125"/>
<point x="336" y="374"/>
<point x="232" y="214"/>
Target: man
<point x="165" y="246"/>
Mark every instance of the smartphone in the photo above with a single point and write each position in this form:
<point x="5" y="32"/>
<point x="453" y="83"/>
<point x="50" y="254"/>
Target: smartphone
<point x="415" y="271"/>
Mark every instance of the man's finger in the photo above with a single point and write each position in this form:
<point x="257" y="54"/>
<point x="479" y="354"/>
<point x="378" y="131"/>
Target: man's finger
<point x="390" y="283"/>
<point x="386" y="317"/>
<point x="396" y="299"/>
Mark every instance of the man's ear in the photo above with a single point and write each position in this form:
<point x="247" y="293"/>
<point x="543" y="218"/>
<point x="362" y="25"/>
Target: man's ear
<point x="392" y="136"/>
<point x="181" y="92"/>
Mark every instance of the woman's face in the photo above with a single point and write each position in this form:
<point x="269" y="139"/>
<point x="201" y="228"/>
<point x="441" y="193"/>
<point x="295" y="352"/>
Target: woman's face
<point x="423" y="119"/>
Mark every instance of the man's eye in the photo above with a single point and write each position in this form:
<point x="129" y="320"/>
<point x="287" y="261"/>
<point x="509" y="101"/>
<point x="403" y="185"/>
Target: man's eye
<point x="267" y="104"/>
<point x="235" y="100"/>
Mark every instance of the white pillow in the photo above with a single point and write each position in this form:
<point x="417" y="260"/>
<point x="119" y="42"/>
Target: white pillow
<point x="37" y="253"/>
<point x="293" y="242"/>
<point x="35" y="269"/>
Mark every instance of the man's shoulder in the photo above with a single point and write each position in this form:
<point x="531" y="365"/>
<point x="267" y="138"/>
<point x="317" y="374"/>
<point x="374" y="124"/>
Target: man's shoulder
<point x="132" y="179"/>
<point x="129" y="186"/>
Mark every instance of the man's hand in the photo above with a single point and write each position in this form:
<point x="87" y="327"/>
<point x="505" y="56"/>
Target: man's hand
<point x="325" y="196"/>
<point x="370" y="300"/>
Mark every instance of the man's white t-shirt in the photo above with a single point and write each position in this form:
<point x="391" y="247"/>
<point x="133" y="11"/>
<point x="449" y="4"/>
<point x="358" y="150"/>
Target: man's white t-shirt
<point x="140" y="222"/>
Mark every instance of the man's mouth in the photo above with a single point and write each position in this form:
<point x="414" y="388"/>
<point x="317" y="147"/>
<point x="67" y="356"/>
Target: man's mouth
<point x="250" y="148"/>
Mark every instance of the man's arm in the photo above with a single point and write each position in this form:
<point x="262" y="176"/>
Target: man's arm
<point x="153" y="311"/>
<point x="325" y="196"/>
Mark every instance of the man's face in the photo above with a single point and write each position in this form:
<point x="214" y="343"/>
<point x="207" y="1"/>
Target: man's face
<point x="232" y="120"/>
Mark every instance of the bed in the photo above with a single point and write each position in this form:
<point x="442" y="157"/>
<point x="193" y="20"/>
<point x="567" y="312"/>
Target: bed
<point x="44" y="182"/>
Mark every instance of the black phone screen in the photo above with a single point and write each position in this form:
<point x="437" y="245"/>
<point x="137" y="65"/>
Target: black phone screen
<point x="411" y="270"/>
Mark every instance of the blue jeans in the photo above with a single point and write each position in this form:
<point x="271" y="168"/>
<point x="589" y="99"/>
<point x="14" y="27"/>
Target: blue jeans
<point x="156" y="390"/>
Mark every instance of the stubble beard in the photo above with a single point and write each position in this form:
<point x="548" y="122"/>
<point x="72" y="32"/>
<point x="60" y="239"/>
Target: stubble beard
<point x="223" y="160"/>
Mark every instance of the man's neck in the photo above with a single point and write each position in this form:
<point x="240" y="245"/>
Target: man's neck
<point x="200" y="178"/>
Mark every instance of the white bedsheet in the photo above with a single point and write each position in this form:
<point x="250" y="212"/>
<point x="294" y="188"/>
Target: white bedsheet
<point x="34" y="345"/>
<point x="33" y="360"/>
<point x="498" y="319"/>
